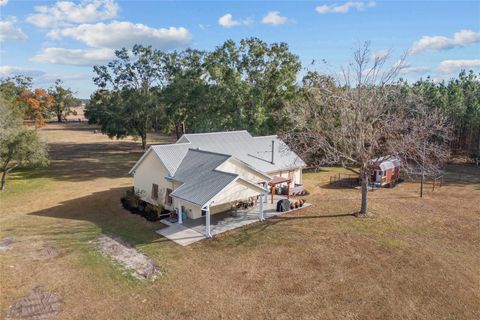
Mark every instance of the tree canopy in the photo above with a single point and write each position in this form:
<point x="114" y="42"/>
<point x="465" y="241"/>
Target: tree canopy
<point x="127" y="102"/>
<point x="364" y="117"/>
<point x="63" y="100"/>
<point x="19" y="146"/>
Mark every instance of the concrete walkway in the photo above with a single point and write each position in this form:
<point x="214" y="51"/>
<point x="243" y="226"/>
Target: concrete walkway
<point x="181" y="235"/>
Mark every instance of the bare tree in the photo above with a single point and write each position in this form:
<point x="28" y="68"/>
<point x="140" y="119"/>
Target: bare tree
<point x="363" y="115"/>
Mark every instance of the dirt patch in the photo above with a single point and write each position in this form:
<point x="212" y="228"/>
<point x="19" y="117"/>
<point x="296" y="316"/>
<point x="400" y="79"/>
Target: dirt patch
<point x="6" y="244"/>
<point x="141" y="266"/>
<point x="45" y="253"/>
<point x="38" y="305"/>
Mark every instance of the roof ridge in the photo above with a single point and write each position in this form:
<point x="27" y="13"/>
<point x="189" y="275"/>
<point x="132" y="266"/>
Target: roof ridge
<point x="268" y="136"/>
<point x="211" y="152"/>
<point x="170" y="144"/>
<point x="216" y="132"/>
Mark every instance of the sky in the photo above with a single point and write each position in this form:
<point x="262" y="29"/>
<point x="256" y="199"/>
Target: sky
<point x="64" y="39"/>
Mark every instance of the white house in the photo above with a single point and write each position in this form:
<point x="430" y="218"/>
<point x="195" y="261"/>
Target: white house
<point x="203" y="174"/>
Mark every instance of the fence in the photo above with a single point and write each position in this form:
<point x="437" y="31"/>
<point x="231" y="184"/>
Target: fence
<point x="345" y="180"/>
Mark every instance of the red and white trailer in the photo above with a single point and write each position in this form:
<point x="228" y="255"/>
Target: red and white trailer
<point x="386" y="170"/>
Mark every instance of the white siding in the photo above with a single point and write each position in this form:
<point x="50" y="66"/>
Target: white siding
<point x="239" y="190"/>
<point x="150" y="171"/>
<point x="243" y="171"/>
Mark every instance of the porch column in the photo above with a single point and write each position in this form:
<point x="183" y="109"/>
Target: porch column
<point x="265" y="198"/>
<point x="207" y="222"/>
<point x="261" y="207"/>
<point x="180" y="215"/>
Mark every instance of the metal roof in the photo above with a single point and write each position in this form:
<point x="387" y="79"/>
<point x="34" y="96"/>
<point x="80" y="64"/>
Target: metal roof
<point x="194" y="158"/>
<point x="255" y="151"/>
<point x="386" y="162"/>
<point x="200" y="179"/>
<point x="171" y="155"/>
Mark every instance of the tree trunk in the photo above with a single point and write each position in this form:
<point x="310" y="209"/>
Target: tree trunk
<point x="364" y="177"/>
<point x="144" y="141"/>
<point x="177" y="130"/>
<point x="59" y="117"/>
<point x="4" y="177"/>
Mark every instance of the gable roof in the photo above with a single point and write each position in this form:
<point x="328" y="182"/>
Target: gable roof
<point x="170" y="155"/>
<point x="200" y="179"/>
<point x="255" y="151"/>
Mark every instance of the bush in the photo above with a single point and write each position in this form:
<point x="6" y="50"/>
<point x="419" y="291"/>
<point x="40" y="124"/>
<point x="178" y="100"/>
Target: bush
<point x="132" y="202"/>
<point x="132" y="199"/>
<point x="153" y="212"/>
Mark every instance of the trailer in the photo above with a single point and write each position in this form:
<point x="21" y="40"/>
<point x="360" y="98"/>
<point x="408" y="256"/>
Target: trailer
<point x="386" y="171"/>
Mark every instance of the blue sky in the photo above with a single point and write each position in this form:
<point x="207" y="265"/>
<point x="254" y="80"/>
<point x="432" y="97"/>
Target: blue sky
<point x="50" y="39"/>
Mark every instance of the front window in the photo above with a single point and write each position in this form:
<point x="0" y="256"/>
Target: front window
<point x="155" y="191"/>
<point x="168" y="198"/>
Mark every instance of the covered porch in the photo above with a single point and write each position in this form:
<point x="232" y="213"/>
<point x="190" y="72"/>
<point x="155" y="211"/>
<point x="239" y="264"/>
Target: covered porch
<point x="193" y="230"/>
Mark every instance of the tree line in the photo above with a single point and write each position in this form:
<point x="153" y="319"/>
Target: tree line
<point x="235" y="86"/>
<point x="247" y="85"/>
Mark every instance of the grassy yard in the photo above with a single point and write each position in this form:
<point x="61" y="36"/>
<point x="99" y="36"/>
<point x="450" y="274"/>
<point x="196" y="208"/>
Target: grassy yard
<point x="412" y="258"/>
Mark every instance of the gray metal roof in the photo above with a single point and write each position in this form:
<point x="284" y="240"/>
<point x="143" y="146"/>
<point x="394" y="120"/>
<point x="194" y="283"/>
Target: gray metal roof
<point x="171" y="155"/>
<point x="201" y="182"/>
<point x="255" y="151"/>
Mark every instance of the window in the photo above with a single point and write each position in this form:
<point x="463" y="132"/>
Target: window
<point x="168" y="198"/>
<point x="155" y="191"/>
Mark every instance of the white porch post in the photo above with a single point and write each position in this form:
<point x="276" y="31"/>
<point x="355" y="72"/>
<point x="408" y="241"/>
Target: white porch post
<point x="180" y="215"/>
<point x="207" y="222"/>
<point x="261" y="207"/>
<point x="265" y="197"/>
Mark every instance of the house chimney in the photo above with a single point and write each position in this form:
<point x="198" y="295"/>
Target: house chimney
<point x="273" y="151"/>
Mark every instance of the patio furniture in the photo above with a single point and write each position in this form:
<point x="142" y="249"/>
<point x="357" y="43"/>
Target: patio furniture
<point x="283" y="205"/>
<point x="279" y="180"/>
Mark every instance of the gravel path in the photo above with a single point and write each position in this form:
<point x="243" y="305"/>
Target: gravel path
<point x="141" y="266"/>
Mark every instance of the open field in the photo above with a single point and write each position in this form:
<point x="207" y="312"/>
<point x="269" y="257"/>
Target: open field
<point x="411" y="259"/>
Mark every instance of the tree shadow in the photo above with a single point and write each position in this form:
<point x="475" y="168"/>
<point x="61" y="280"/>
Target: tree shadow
<point x="87" y="161"/>
<point x="104" y="210"/>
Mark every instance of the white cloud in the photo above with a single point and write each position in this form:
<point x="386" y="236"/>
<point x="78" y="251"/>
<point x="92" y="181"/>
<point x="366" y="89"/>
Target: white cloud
<point x="449" y="66"/>
<point x="381" y="54"/>
<point x="9" y="31"/>
<point x="227" y="21"/>
<point x="8" y="71"/>
<point x="408" y="69"/>
<point x="344" y="8"/>
<point x="274" y="18"/>
<point x="78" y="57"/>
<point x="67" y="12"/>
<point x="3" y="3"/>
<point x="125" y="34"/>
<point x="438" y="43"/>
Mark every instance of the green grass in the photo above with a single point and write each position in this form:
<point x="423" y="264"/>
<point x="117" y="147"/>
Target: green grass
<point x="22" y="181"/>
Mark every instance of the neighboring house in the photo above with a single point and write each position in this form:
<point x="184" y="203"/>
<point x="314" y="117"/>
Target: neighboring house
<point x="203" y="174"/>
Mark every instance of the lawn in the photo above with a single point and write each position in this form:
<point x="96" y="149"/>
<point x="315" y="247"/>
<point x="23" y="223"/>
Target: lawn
<point x="412" y="258"/>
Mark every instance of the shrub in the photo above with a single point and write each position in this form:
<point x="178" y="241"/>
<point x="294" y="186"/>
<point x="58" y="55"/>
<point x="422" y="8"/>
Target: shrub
<point x="153" y="212"/>
<point x="132" y="198"/>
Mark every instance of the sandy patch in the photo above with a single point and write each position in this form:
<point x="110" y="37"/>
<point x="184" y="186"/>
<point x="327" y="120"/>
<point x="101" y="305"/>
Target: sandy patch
<point x="38" y="305"/>
<point x="6" y="244"/>
<point x="141" y="266"/>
